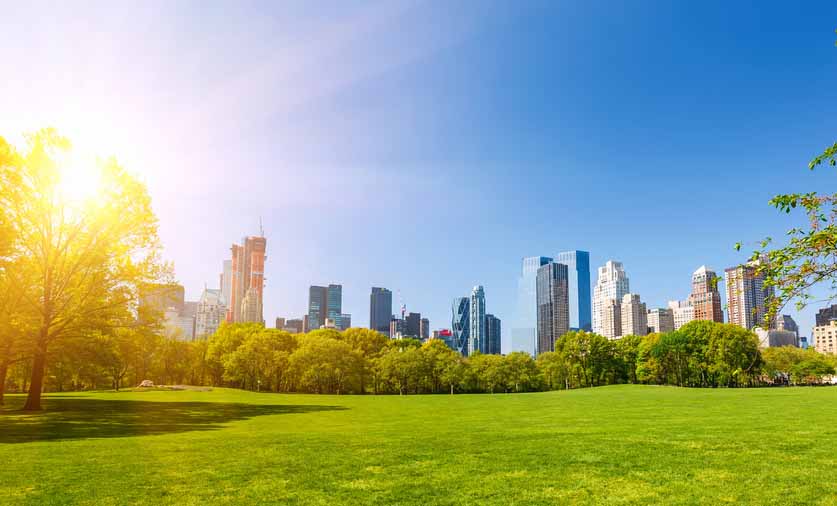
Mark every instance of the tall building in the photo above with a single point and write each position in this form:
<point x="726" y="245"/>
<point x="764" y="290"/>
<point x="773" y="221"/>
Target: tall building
<point x="611" y="319"/>
<point x="477" y="337"/>
<point x="825" y="337"/>
<point x="247" y="280"/>
<point x="296" y="326"/>
<point x="578" y="267"/>
<point x="747" y="296"/>
<point x="552" y="288"/>
<point x="280" y="323"/>
<point x="345" y="321"/>
<point x="413" y="322"/>
<point x="660" y="320"/>
<point x="306" y="324"/>
<point x="611" y="285"/>
<point x="317" y="306"/>
<point x="424" y="329"/>
<point x="380" y="309"/>
<point x="159" y="298"/>
<point x="825" y="315"/>
<point x="705" y="297"/>
<point x="461" y="324"/>
<point x="493" y="333"/>
<point x="524" y="328"/>
<point x="785" y="322"/>
<point x="211" y="311"/>
<point x="335" y="304"/>
<point x="682" y="312"/>
<point x="775" y="337"/>
<point x="226" y="282"/>
<point x="178" y="325"/>
<point x="398" y="328"/>
<point x="634" y="316"/>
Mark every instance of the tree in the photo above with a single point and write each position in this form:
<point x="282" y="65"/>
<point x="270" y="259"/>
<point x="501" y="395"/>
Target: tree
<point x="522" y="371"/>
<point x="554" y="370"/>
<point x="733" y="354"/>
<point x="81" y="260"/>
<point x="368" y="344"/>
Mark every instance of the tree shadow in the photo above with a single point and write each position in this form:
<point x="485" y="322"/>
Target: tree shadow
<point x="69" y="418"/>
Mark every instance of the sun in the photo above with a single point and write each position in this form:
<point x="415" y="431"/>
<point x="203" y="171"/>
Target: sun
<point x="80" y="176"/>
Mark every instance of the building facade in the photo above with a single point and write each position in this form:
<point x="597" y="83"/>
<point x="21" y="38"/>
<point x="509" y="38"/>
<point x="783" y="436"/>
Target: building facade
<point x="525" y="325"/>
<point x="247" y="280"/>
<point x="682" y="312"/>
<point x="825" y="315"/>
<point x="493" y="333"/>
<point x="294" y="326"/>
<point x="424" y="329"/>
<point x="553" y="317"/>
<point x="461" y="324"/>
<point x="317" y="307"/>
<point x="335" y="304"/>
<point x="578" y="268"/>
<point x="660" y="320"/>
<point x="380" y="309"/>
<point x="211" y="311"/>
<point x="612" y="284"/>
<point x="634" y="321"/>
<point x="477" y="340"/>
<point x="705" y="297"/>
<point x="747" y="296"/>
<point x="413" y="322"/>
<point x="345" y="321"/>
<point x="825" y="337"/>
<point x="226" y="282"/>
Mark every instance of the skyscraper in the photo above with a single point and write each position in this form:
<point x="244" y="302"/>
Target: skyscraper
<point x="747" y="296"/>
<point x="210" y="313"/>
<point x="611" y="285"/>
<point x="660" y="320"/>
<point x="825" y="315"/>
<point x="552" y="288"/>
<point x="524" y="329"/>
<point x="461" y="324"/>
<point x="335" y="304"/>
<point x="705" y="297"/>
<point x="682" y="312"/>
<point x="413" y="323"/>
<point x="317" y="306"/>
<point x="493" y="333"/>
<point x="424" y="329"/>
<point x="634" y="316"/>
<point x="477" y="337"/>
<point x="226" y="282"/>
<point x="345" y="321"/>
<point x="247" y="280"/>
<point x="380" y="309"/>
<point x="578" y="267"/>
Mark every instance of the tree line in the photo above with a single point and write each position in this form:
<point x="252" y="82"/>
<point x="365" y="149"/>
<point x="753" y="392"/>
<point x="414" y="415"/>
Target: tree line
<point x="363" y="361"/>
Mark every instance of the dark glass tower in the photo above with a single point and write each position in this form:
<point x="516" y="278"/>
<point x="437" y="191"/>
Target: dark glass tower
<point x="553" y="305"/>
<point x="380" y="309"/>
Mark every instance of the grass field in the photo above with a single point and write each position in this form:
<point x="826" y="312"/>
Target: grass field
<point x="612" y="445"/>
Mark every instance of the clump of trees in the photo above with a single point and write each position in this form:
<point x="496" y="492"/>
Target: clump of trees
<point x="362" y="361"/>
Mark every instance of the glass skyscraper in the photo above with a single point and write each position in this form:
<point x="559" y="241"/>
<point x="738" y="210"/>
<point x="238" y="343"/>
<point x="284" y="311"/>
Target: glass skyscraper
<point x="380" y="309"/>
<point x="553" y="305"/>
<point x="478" y="339"/>
<point x="317" y="302"/>
<point x="461" y="324"/>
<point x="492" y="330"/>
<point x="523" y="332"/>
<point x="578" y="265"/>
<point x="335" y="304"/>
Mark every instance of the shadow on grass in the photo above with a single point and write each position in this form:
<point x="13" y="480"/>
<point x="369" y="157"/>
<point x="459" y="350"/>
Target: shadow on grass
<point x="68" y="418"/>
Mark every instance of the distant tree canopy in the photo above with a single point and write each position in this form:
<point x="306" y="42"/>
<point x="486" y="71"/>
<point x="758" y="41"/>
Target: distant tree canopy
<point x="362" y="361"/>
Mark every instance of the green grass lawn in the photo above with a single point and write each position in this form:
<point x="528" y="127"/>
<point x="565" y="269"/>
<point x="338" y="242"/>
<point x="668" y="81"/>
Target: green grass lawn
<point x="611" y="445"/>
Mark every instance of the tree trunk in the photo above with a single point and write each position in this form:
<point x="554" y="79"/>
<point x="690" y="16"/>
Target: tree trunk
<point x="36" y="385"/>
<point x="4" y="369"/>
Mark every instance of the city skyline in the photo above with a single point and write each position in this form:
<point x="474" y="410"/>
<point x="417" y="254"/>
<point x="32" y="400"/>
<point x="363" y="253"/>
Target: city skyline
<point x="306" y="146"/>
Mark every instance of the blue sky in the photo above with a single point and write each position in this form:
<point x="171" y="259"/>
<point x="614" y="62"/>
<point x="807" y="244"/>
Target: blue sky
<point x="428" y="146"/>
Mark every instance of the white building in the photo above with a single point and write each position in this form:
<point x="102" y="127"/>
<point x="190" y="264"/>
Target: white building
<point x="825" y="338"/>
<point x="683" y="312"/>
<point x="211" y="312"/>
<point x="611" y="319"/>
<point x="179" y="326"/>
<point x="772" y="338"/>
<point x="634" y="316"/>
<point x="612" y="284"/>
<point x="660" y="320"/>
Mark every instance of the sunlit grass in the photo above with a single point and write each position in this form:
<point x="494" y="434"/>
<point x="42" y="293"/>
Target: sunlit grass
<point x="613" y="445"/>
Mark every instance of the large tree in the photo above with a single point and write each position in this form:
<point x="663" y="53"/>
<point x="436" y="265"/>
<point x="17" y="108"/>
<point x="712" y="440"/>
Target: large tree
<point x="80" y="260"/>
